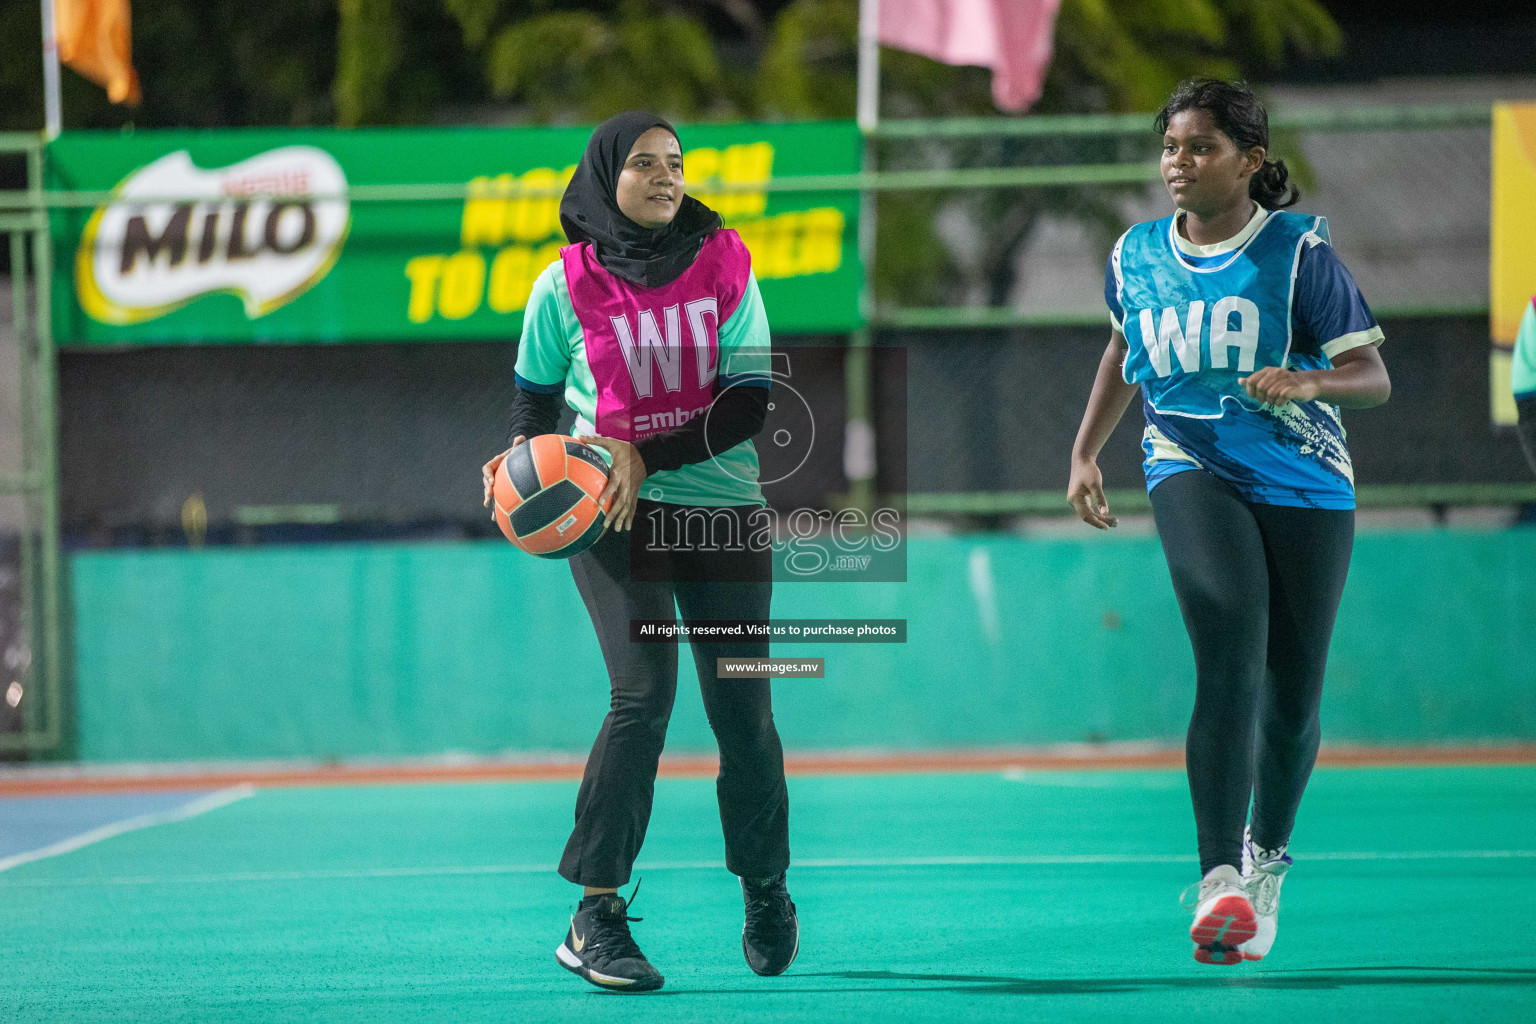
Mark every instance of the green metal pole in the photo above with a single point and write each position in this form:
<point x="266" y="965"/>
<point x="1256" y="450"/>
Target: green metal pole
<point x="28" y="555"/>
<point x="859" y="428"/>
<point x="859" y="436"/>
<point x="47" y="461"/>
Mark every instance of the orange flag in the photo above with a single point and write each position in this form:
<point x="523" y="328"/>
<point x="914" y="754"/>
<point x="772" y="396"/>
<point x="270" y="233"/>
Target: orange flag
<point x="94" y="40"/>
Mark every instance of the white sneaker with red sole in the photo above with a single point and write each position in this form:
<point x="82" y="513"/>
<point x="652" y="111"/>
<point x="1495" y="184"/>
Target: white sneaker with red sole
<point x="1224" y="917"/>
<point x="1263" y="873"/>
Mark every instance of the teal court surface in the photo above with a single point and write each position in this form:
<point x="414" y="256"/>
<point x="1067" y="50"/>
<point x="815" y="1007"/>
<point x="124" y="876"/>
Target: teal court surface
<point x="1000" y="895"/>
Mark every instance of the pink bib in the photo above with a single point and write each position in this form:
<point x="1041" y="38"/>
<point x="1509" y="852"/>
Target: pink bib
<point x="655" y="352"/>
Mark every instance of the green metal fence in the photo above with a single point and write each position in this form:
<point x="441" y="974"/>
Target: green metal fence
<point x="1313" y="119"/>
<point x="24" y="213"/>
<point x="40" y="676"/>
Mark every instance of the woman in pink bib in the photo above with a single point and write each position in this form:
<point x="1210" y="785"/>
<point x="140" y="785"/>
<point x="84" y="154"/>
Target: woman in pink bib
<point x="651" y="328"/>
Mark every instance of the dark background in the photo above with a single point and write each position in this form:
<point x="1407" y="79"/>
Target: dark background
<point x="1386" y="39"/>
<point x="394" y="434"/>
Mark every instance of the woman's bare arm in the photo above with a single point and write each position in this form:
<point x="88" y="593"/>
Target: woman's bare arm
<point x="1106" y="405"/>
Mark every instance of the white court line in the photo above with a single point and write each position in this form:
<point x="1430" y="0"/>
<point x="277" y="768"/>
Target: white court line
<point x="1120" y="858"/>
<point x="1097" y="780"/>
<point x="450" y="870"/>
<point x="201" y="805"/>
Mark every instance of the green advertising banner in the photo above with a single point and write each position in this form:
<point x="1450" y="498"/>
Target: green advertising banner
<point x="261" y="236"/>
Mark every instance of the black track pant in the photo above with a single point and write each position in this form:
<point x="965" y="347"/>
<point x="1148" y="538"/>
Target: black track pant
<point x="613" y="806"/>
<point x="1259" y="586"/>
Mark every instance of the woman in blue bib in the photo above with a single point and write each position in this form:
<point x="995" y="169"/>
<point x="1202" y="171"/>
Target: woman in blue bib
<point x="1245" y="335"/>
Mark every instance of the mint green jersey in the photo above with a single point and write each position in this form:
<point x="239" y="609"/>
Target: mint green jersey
<point x="1522" y="370"/>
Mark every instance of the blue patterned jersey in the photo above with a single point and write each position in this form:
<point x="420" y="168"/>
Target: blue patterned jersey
<point x="1194" y="325"/>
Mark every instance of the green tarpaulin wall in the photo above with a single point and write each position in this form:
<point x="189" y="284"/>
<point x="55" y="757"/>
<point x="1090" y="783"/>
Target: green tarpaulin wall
<point x="422" y="649"/>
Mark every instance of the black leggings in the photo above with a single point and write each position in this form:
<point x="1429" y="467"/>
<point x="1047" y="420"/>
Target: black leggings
<point x="613" y="806"/>
<point x="1259" y="586"/>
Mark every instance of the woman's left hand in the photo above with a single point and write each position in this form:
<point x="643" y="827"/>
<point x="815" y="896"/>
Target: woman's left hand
<point x="1277" y="386"/>
<point x="625" y="476"/>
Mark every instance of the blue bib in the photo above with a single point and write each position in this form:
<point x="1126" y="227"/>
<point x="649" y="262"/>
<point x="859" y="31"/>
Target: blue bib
<point x="1193" y="331"/>
<point x="1196" y="325"/>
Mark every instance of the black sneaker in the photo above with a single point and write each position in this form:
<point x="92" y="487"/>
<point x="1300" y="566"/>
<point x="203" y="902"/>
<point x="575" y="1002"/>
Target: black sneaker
<point x="771" y="936"/>
<point x="598" y="947"/>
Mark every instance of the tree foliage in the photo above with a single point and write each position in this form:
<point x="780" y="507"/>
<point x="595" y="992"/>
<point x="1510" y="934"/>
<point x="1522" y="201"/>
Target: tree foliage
<point x="1110" y="56"/>
<point x="567" y="63"/>
<point x="204" y="64"/>
<point x="207" y="63"/>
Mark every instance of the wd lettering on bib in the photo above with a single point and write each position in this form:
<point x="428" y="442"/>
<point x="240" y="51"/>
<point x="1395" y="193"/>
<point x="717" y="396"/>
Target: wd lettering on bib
<point x="655" y="352"/>
<point x="647" y="354"/>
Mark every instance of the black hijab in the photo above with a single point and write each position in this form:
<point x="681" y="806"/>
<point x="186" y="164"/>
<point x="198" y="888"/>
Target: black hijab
<point x="589" y="210"/>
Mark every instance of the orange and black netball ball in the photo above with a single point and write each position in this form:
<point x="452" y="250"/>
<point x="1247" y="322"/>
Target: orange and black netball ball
<point x="546" y="495"/>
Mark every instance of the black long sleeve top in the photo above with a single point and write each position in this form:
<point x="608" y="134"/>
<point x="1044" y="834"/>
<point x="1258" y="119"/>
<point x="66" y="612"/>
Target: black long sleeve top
<point x="738" y="414"/>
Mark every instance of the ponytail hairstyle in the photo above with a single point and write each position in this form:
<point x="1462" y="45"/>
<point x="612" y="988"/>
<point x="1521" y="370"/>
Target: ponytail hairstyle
<point x="1241" y="118"/>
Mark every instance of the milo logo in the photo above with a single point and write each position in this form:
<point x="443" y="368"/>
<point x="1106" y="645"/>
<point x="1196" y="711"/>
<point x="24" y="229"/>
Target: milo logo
<point x="175" y="231"/>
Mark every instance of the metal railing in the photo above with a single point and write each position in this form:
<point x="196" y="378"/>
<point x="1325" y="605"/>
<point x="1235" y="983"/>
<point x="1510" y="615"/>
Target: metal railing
<point x="37" y="484"/>
<point x="24" y="217"/>
<point x="1320" y="118"/>
<point x="1312" y="119"/>
<point x="1054" y="503"/>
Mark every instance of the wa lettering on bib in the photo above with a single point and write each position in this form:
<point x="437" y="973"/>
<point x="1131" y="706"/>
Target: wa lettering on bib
<point x="1192" y="328"/>
<point x="1218" y="322"/>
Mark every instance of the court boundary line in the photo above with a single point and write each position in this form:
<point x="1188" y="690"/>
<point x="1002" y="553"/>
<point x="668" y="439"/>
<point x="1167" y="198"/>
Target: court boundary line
<point x="191" y="809"/>
<point x="809" y="863"/>
<point x="76" y="779"/>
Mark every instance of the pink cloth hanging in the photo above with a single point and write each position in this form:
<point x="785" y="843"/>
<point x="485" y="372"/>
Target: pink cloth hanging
<point x="1012" y="37"/>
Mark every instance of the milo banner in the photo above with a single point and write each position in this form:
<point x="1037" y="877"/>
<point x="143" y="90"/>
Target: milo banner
<point x="262" y="236"/>
<point x="1512" y="274"/>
